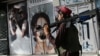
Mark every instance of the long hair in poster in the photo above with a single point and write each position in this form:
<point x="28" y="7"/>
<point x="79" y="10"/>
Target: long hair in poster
<point x="40" y="16"/>
<point x="19" y="40"/>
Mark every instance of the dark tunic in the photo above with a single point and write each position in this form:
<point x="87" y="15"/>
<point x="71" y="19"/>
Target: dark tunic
<point x="67" y="38"/>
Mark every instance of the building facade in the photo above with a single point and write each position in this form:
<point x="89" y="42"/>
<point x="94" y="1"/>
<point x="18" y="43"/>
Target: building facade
<point x="88" y="30"/>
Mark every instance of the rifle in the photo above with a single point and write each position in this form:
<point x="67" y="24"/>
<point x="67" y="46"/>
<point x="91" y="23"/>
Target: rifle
<point x="86" y="15"/>
<point x="83" y="16"/>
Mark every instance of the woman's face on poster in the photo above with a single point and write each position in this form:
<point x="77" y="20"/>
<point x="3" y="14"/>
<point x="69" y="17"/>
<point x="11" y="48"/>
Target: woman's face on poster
<point x="40" y="22"/>
<point x="37" y="33"/>
<point x="22" y="15"/>
<point x="38" y="37"/>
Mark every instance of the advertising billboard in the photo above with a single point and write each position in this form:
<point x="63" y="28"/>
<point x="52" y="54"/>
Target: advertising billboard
<point x="19" y="40"/>
<point x="39" y="15"/>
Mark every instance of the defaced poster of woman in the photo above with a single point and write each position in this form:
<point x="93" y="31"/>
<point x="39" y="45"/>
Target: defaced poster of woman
<point x="41" y="16"/>
<point x="19" y="40"/>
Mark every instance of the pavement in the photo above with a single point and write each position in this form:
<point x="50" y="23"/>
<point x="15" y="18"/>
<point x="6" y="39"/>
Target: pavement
<point x="83" y="54"/>
<point x="51" y="55"/>
<point x="90" y="55"/>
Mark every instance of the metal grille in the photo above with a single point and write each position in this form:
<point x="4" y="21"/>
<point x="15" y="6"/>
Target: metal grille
<point x="3" y="47"/>
<point x="3" y="30"/>
<point x="3" y="36"/>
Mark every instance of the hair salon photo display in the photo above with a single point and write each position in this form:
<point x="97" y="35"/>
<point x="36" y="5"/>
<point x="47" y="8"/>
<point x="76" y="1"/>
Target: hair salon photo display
<point x="26" y="32"/>
<point x="41" y="16"/>
<point x="19" y="39"/>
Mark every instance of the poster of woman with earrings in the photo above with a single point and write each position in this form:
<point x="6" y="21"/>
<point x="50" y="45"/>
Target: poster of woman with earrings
<point x="40" y="16"/>
<point x="19" y="40"/>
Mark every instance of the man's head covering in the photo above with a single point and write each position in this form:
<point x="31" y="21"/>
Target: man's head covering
<point x="65" y="10"/>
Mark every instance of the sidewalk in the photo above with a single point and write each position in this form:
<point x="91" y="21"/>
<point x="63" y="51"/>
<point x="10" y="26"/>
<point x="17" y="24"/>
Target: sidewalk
<point x="90" y="55"/>
<point x="51" y="55"/>
<point x="86" y="54"/>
